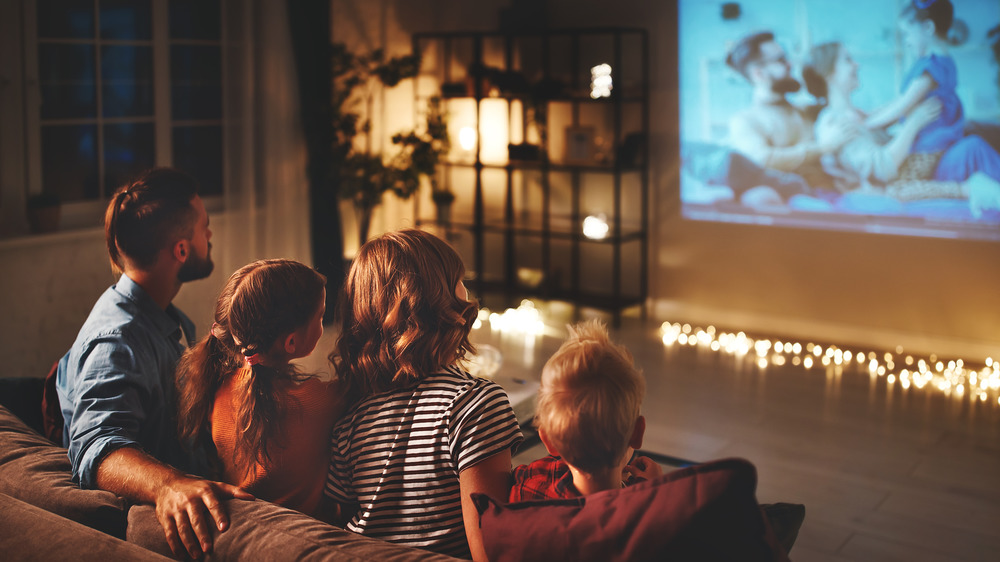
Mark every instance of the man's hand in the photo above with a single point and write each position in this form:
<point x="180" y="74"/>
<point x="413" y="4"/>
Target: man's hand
<point x="181" y="501"/>
<point x="181" y="507"/>
<point x="641" y="467"/>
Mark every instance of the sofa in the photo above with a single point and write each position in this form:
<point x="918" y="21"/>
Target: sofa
<point x="703" y="512"/>
<point x="45" y="516"/>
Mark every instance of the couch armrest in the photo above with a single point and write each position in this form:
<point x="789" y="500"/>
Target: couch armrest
<point x="31" y="533"/>
<point x="37" y="472"/>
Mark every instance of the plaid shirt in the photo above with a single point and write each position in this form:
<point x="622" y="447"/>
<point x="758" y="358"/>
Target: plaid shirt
<point x="545" y="479"/>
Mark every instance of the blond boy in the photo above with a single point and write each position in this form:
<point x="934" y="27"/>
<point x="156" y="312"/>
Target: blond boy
<point x="588" y="419"/>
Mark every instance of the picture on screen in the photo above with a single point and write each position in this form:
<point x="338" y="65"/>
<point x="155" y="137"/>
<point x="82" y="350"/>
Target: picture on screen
<point x="878" y="116"/>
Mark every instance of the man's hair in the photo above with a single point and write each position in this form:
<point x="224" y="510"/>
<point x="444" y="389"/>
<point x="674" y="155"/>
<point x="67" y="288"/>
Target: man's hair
<point x="747" y="51"/>
<point x="590" y="398"/>
<point x="401" y="320"/>
<point x="148" y="214"/>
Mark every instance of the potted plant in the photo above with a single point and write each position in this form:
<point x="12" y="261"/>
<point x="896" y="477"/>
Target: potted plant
<point x="422" y="151"/>
<point x="364" y="176"/>
<point x="43" y="210"/>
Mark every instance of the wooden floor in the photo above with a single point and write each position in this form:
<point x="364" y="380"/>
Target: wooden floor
<point x="885" y="475"/>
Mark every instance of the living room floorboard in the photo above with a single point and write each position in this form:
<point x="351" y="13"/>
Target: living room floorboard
<point x="886" y="474"/>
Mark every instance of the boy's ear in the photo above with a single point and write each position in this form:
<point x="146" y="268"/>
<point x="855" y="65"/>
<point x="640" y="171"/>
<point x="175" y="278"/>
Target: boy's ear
<point x="638" y="433"/>
<point x="548" y="446"/>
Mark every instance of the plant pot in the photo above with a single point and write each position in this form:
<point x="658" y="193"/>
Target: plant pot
<point x="443" y="213"/>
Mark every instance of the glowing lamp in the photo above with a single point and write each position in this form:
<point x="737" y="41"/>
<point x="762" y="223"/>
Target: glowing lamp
<point x="595" y="228"/>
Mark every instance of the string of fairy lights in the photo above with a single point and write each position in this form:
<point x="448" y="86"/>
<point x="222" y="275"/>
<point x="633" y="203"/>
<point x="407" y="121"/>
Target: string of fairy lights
<point x="953" y="378"/>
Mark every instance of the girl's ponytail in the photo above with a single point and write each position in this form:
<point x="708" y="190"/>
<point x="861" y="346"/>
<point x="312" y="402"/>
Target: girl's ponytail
<point x="199" y="374"/>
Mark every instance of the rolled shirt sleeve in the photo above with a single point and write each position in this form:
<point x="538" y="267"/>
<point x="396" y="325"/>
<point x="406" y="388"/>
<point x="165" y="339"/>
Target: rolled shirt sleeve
<point x="110" y="409"/>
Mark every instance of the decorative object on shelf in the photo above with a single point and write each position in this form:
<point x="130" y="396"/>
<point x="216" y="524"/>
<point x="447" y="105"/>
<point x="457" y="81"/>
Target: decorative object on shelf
<point x="579" y="145"/>
<point x="364" y="176"/>
<point x="631" y="150"/>
<point x="43" y="210"/>
<point x="524" y="152"/>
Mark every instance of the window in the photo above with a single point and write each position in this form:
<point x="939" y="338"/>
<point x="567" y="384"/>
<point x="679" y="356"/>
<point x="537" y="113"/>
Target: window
<point x="123" y="85"/>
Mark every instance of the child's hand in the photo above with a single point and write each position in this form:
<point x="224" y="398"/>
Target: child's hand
<point x="642" y="468"/>
<point x="925" y="113"/>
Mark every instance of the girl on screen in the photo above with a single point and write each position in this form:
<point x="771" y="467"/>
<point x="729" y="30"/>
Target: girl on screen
<point x="941" y="148"/>
<point x="872" y="160"/>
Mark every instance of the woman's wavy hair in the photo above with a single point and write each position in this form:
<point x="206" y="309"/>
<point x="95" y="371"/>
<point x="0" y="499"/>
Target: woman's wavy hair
<point x="148" y="214"/>
<point x="822" y="60"/>
<point x="260" y="304"/>
<point x="399" y="315"/>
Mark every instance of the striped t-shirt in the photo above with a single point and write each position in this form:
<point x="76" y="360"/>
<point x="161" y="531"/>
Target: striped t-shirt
<point x="397" y="456"/>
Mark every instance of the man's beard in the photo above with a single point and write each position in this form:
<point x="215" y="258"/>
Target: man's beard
<point x="196" y="268"/>
<point x="787" y="85"/>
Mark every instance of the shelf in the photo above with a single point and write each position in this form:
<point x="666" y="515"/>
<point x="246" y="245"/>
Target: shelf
<point x="517" y="291"/>
<point x="538" y="165"/>
<point x="561" y="228"/>
<point x="521" y="221"/>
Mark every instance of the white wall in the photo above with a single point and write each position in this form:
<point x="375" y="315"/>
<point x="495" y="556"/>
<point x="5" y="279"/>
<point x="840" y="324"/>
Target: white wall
<point x="50" y="282"/>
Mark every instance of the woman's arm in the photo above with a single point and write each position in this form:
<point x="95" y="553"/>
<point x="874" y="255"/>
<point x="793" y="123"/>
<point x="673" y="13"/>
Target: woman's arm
<point x="491" y="476"/>
<point x="902" y="105"/>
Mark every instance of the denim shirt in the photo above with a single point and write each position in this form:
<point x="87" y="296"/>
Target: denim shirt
<point x="116" y="384"/>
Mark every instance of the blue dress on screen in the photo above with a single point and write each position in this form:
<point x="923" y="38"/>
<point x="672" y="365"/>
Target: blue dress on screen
<point x="963" y="155"/>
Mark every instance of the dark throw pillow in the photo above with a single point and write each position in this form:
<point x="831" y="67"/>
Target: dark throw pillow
<point x="706" y="512"/>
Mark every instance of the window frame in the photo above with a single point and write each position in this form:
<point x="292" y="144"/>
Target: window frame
<point x="89" y="213"/>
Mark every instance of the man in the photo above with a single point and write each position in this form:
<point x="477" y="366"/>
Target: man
<point x="772" y="132"/>
<point x="116" y="384"/>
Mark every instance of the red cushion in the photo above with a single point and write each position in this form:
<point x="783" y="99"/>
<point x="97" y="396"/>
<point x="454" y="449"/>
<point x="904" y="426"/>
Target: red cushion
<point x="704" y="512"/>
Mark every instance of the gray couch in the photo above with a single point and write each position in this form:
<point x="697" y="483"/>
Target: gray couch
<point x="45" y="516"/>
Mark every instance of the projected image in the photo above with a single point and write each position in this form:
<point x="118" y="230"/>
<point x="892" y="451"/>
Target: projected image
<point x="864" y="115"/>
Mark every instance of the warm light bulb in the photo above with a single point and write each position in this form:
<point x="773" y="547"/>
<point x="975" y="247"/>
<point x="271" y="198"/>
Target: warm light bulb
<point x="596" y="227"/>
<point x="600" y="81"/>
<point x="467" y="138"/>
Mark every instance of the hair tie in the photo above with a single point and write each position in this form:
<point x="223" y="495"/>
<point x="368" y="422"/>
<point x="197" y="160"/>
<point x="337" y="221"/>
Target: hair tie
<point x="217" y="331"/>
<point x="923" y="4"/>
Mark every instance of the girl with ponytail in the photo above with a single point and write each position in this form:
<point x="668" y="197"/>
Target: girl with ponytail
<point x="269" y="423"/>
<point x="872" y="161"/>
<point x="941" y="147"/>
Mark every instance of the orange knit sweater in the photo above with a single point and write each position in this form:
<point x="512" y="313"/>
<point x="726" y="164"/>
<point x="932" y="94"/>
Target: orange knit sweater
<point x="300" y="457"/>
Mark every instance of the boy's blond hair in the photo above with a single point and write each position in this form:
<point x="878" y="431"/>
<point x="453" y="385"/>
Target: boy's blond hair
<point x="590" y="397"/>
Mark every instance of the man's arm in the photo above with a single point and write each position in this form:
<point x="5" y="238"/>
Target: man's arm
<point x="748" y="137"/>
<point x="181" y="501"/>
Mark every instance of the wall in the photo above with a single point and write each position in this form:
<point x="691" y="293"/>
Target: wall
<point x="927" y="295"/>
<point x="934" y="295"/>
<point x="50" y="282"/>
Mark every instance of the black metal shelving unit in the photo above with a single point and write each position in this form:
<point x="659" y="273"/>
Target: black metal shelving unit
<point x="543" y="70"/>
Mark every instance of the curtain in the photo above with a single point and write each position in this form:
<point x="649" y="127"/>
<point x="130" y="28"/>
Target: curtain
<point x="267" y="188"/>
<point x="309" y="22"/>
